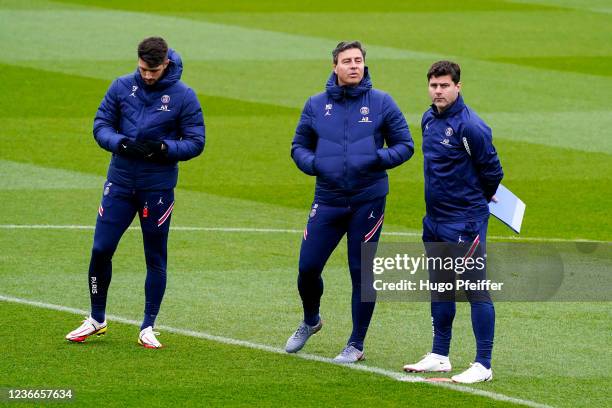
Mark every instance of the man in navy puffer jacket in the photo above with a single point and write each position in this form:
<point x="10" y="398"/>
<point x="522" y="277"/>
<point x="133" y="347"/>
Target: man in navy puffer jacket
<point x="149" y="120"/>
<point x="341" y="139"/>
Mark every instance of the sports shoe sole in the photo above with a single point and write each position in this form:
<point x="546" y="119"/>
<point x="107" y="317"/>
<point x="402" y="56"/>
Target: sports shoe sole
<point x="409" y="370"/>
<point x="81" y="339"/>
<point x="147" y="345"/>
<point x="361" y="358"/>
<point x="475" y="382"/>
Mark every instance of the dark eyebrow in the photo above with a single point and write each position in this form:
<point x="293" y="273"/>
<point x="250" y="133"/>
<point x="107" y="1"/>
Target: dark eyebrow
<point x="150" y="69"/>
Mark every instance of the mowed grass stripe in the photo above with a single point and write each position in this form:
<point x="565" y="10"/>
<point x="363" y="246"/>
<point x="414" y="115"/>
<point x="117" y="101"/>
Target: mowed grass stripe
<point x="317" y="6"/>
<point x="261" y="347"/>
<point x="25" y="176"/>
<point x="26" y="40"/>
<point x="499" y="32"/>
<point x="579" y="131"/>
<point x="587" y="5"/>
<point x="590" y="65"/>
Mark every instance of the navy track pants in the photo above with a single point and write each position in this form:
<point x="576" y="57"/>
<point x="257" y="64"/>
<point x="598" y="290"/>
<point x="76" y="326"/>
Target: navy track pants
<point x="118" y="208"/>
<point x="470" y="238"/>
<point x="326" y="227"/>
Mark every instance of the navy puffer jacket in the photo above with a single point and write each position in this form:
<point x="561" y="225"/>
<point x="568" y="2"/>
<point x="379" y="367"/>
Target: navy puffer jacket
<point x="167" y="111"/>
<point x="341" y="138"/>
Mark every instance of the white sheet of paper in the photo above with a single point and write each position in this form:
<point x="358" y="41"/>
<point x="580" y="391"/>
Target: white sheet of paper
<point x="509" y="209"/>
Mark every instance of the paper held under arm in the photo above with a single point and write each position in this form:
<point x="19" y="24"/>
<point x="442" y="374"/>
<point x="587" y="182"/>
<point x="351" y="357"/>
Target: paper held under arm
<point x="509" y="209"/>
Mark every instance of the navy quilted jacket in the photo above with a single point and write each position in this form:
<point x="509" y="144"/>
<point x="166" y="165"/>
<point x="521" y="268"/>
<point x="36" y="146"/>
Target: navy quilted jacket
<point x="167" y="111"/>
<point x="341" y="138"/>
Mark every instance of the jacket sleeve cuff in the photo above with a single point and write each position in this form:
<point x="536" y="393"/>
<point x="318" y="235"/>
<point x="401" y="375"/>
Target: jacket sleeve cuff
<point x="309" y="166"/>
<point x="172" y="147"/>
<point x="114" y="142"/>
<point x="383" y="157"/>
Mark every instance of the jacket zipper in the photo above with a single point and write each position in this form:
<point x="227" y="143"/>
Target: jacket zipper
<point x="141" y="116"/>
<point x="344" y="158"/>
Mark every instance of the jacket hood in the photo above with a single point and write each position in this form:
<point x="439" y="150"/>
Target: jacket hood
<point x="451" y="110"/>
<point x="338" y="92"/>
<point x="173" y="73"/>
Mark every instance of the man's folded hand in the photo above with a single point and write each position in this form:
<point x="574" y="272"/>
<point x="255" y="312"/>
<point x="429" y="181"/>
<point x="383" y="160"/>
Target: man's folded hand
<point x="134" y="149"/>
<point x="145" y="149"/>
<point x="158" y="149"/>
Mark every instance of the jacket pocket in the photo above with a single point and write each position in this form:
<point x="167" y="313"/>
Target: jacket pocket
<point x="371" y="161"/>
<point x="328" y="161"/>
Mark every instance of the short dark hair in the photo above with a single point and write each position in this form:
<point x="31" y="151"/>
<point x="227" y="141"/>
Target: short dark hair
<point x="442" y="68"/>
<point x="153" y="51"/>
<point x="347" y="45"/>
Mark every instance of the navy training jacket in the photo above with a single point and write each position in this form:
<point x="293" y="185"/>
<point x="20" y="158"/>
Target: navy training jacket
<point x="167" y="111"/>
<point x="340" y="139"/>
<point x="462" y="170"/>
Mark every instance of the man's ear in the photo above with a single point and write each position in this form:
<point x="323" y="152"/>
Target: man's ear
<point x="335" y="66"/>
<point x="459" y="85"/>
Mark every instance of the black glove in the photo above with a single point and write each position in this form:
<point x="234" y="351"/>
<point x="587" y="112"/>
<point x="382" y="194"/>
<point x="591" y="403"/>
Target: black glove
<point x="134" y="149"/>
<point x="158" y="150"/>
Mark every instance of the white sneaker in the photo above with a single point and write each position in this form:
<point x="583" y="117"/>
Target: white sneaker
<point x="430" y="363"/>
<point x="476" y="373"/>
<point x="89" y="327"/>
<point x="349" y="355"/>
<point x="147" y="338"/>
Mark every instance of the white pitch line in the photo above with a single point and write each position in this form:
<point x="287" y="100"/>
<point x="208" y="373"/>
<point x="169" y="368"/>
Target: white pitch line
<point x="271" y="349"/>
<point x="284" y="230"/>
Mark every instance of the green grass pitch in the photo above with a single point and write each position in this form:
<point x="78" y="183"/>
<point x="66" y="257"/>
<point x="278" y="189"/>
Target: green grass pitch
<point x="538" y="71"/>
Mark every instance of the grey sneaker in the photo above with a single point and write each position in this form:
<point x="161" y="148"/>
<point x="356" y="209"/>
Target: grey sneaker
<point x="301" y="335"/>
<point x="349" y="355"/>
